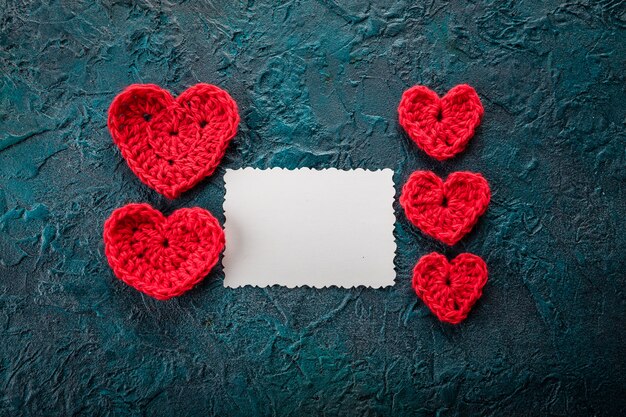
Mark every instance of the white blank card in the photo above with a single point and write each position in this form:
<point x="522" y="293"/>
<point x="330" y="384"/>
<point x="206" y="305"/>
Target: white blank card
<point x="309" y="227"/>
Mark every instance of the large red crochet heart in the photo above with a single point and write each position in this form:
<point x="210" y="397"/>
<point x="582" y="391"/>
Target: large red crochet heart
<point x="442" y="127"/>
<point x="446" y="211"/>
<point x="172" y="144"/>
<point x="162" y="256"/>
<point x="450" y="289"/>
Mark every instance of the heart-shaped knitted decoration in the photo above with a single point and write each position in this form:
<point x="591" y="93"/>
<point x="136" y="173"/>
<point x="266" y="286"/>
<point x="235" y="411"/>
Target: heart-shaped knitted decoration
<point x="162" y="256"/>
<point x="446" y="211"/>
<point x="172" y="144"/>
<point x="450" y="289"/>
<point x="442" y="127"/>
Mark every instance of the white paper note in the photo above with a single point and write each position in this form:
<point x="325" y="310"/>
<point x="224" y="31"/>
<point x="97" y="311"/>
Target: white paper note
<point x="309" y="227"/>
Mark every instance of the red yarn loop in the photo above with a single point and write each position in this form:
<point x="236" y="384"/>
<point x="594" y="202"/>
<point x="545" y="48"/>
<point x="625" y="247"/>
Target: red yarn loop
<point x="450" y="289"/>
<point x="162" y="256"/>
<point x="446" y="211"/>
<point x="441" y="127"/>
<point x="172" y="144"/>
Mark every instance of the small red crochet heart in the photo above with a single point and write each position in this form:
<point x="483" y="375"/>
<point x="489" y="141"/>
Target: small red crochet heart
<point x="162" y="256"/>
<point x="172" y="144"/>
<point x="446" y="211"/>
<point x="450" y="289"/>
<point x="441" y="127"/>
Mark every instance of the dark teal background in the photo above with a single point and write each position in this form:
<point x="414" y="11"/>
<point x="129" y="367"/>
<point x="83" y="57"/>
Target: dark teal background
<point x="318" y="83"/>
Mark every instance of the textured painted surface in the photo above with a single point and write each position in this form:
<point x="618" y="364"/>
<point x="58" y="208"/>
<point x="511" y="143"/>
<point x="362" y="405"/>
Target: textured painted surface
<point x="318" y="83"/>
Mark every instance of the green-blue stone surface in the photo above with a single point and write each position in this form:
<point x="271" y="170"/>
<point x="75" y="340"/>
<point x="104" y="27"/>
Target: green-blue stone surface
<point x="318" y="83"/>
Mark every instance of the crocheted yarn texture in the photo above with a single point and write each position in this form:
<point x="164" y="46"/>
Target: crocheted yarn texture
<point x="450" y="289"/>
<point x="441" y="127"/>
<point x="162" y="256"/>
<point x="445" y="210"/>
<point x="172" y="144"/>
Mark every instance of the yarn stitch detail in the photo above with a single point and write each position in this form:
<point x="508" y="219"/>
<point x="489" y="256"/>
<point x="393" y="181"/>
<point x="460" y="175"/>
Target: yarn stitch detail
<point x="162" y="256"/>
<point x="450" y="289"/>
<point x="172" y="144"/>
<point x="446" y="211"/>
<point x="441" y="127"/>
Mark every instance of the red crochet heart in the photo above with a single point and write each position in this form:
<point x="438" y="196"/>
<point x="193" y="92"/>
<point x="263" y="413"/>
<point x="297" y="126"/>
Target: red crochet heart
<point x="450" y="289"/>
<point x="442" y="127"/>
<point x="446" y="211"/>
<point x="162" y="256"/>
<point x="172" y="144"/>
